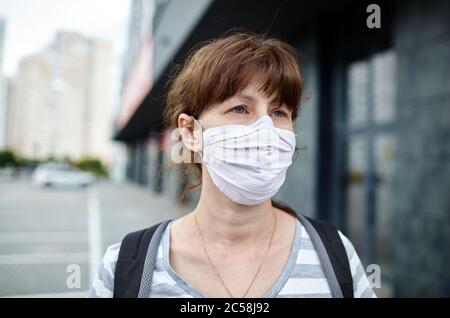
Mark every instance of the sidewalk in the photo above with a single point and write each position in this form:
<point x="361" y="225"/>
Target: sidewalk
<point x="44" y="231"/>
<point x="126" y="208"/>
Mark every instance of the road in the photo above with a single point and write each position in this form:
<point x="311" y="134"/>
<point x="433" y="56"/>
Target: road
<point x="52" y="239"/>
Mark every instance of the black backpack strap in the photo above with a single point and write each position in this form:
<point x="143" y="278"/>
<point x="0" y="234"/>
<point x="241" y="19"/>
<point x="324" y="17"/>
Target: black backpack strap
<point x="150" y="261"/>
<point x="130" y="263"/>
<point x="336" y="253"/>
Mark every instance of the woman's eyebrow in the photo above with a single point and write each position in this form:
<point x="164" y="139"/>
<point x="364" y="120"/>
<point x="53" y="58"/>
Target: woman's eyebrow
<point x="247" y="97"/>
<point x="253" y="99"/>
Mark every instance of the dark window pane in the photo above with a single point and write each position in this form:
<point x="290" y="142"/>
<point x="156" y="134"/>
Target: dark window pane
<point x="384" y="152"/>
<point x="357" y="156"/>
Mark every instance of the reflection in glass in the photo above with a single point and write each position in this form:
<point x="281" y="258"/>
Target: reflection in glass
<point x="384" y="145"/>
<point x="355" y="191"/>
<point x="384" y="87"/>
<point x="358" y="93"/>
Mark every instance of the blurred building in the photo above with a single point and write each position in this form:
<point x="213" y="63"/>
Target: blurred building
<point x="2" y="41"/>
<point x="6" y="89"/>
<point x="61" y="101"/>
<point x="3" y="90"/>
<point x="137" y="72"/>
<point x="375" y="124"/>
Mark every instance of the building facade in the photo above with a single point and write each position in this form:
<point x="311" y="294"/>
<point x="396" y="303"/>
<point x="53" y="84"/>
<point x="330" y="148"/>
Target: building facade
<point x="4" y="89"/>
<point x="61" y="101"/>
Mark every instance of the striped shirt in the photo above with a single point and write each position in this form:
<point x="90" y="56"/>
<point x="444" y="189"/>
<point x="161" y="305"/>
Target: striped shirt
<point x="302" y="275"/>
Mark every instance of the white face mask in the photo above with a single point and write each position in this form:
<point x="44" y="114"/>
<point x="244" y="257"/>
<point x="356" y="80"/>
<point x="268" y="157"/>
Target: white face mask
<point x="248" y="163"/>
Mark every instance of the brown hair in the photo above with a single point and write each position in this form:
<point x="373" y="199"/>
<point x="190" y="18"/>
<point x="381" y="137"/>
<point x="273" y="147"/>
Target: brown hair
<point x="221" y="68"/>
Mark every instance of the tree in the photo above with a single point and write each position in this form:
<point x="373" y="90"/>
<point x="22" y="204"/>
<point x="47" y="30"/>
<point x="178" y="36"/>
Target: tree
<point x="92" y="165"/>
<point x="8" y="158"/>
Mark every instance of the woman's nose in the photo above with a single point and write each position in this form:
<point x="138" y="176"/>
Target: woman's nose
<point x="261" y="115"/>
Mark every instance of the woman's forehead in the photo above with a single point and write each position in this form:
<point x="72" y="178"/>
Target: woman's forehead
<point x="253" y="93"/>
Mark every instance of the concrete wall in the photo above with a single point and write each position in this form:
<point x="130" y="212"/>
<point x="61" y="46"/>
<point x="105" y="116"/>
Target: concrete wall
<point x="422" y="201"/>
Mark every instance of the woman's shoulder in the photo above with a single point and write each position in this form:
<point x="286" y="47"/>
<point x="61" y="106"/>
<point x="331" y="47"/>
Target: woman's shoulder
<point x="111" y="255"/>
<point x="103" y="284"/>
<point x="361" y="285"/>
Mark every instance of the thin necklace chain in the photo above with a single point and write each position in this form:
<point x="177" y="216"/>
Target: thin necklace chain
<point x="215" y="269"/>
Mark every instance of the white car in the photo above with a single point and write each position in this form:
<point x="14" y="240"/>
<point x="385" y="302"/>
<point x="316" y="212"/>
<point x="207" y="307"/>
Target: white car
<point x="51" y="174"/>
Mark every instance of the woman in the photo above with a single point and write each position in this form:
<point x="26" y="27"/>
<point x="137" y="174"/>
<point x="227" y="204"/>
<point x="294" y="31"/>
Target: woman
<point x="235" y="102"/>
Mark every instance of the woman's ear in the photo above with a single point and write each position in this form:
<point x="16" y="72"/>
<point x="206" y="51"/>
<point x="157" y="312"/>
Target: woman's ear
<point x="190" y="133"/>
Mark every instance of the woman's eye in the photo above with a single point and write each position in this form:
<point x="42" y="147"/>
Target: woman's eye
<point x="239" y="110"/>
<point x="279" y="113"/>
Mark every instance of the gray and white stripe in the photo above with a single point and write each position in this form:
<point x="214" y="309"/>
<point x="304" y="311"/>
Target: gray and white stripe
<point x="303" y="275"/>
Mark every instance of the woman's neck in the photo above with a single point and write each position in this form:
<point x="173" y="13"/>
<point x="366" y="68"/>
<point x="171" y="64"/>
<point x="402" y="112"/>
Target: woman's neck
<point x="229" y="224"/>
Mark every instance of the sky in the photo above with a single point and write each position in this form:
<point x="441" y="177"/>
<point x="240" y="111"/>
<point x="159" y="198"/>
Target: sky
<point x="32" y="24"/>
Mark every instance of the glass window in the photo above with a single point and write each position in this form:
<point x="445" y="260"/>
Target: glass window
<point x="355" y="191"/>
<point x="370" y="152"/>
<point x="384" y="87"/>
<point x="384" y="153"/>
<point x="357" y="77"/>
